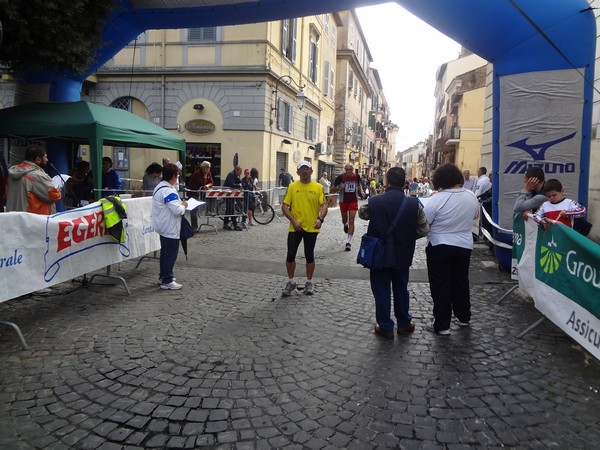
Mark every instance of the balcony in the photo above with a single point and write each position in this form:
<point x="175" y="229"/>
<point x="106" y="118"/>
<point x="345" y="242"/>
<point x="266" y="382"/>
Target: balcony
<point x="452" y="134"/>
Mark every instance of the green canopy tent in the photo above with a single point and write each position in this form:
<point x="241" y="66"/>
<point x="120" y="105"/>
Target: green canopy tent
<point x="85" y="123"/>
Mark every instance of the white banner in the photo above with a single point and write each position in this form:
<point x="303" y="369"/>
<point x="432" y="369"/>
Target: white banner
<point x="37" y="251"/>
<point x="562" y="260"/>
<point x="540" y="125"/>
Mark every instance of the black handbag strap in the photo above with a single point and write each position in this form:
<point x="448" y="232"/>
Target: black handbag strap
<point x="397" y="218"/>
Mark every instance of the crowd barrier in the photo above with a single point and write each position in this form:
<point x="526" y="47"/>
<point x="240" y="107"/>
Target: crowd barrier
<point x="559" y="269"/>
<point x="41" y="251"/>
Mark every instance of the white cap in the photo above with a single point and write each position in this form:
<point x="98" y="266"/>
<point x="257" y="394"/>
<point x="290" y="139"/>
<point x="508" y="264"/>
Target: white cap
<point x="304" y="163"/>
<point x="179" y="166"/>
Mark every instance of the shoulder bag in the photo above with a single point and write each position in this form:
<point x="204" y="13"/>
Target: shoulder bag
<point x="372" y="249"/>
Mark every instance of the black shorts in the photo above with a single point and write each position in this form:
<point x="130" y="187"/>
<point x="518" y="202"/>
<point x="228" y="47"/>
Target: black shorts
<point x="293" y="242"/>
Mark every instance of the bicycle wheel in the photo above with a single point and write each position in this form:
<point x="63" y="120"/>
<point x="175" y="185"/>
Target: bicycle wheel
<point x="264" y="213"/>
<point x="221" y="207"/>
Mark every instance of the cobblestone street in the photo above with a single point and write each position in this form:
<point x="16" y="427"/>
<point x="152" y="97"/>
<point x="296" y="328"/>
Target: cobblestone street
<point x="227" y="363"/>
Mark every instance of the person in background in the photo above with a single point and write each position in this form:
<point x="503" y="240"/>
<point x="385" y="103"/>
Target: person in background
<point x="285" y="178"/>
<point x="450" y="214"/>
<point x="201" y="180"/>
<point x="30" y="188"/>
<point x="532" y="196"/>
<point x="372" y="187"/>
<point x="468" y="182"/>
<point x="483" y="183"/>
<point x="79" y="188"/>
<point x="557" y="207"/>
<point x="305" y="207"/>
<point x="151" y="178"/>
<point x="324" y="180"/>
<point x="249" y="197"/>
<point x="111" y="181"/>
<point x="410" y="226"/>
<point x="283" y="181"/>
<point x="167" y="211"/>
<point x="232" y="181"/>
<point x="348" y="184"/>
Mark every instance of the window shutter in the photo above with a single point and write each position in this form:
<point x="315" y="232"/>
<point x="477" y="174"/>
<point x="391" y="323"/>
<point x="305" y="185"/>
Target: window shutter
<point x="331" y="81"/>
<point x="293" y="34"/>
<point x="290" y="118"/>
<point x="285" y="37"/>
<point x="280" y="114"/>
<point x="325" y="88"/>
<point x="307" y="127"/>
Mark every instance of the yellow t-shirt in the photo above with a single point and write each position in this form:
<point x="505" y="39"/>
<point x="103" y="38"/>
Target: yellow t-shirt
<point x="304" y="200"/>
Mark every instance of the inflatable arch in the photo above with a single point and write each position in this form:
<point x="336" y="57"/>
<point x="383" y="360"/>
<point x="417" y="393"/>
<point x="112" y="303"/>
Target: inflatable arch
<point x="543" y="55"/>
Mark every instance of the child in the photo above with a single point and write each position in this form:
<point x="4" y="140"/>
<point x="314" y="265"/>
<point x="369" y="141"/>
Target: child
<point x="557" y="207"/>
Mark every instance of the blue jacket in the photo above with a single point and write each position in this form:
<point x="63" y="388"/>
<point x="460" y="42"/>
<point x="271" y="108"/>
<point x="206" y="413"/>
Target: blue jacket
<point x="400" y="245"/>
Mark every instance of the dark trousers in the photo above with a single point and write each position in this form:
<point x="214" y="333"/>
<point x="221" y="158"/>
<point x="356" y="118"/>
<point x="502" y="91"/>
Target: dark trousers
<point x="448" y="271"/>
<point x="168" y="255"/>
<point x="383" y="283"/>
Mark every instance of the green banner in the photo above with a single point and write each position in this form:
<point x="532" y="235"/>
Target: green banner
<point x="567" y="262"/>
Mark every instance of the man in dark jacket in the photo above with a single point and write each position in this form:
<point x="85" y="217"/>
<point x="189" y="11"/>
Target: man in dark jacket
<point x="399" y="250"/>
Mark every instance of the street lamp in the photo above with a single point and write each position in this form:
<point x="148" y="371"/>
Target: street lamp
<point x="300" y="96"/>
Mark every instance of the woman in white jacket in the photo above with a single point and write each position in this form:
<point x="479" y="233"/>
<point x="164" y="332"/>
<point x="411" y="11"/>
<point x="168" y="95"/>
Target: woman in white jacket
<point x="167" y="210"/>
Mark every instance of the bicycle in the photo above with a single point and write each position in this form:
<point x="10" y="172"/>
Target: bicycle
<point x="264" y="213"/>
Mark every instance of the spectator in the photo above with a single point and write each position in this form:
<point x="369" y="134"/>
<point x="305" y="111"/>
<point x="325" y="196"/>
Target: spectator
<point x="468" y="182"/>
<point x="413" y="187"/>
<point x="557" y="207"/>
<point x="450" y="215"/>
<point x="79" y="188"/>
<point x="483" y="183"/>
<point x="410" y="226"/>
<point x="111" y="181"/>
<point x="531" y="197"/>
<point x="324" y="180"/>
<point x="349" y="187"/>
<point x="201" y="179"/>
<point x="151" y="178"/>
<point x="232" y="181"/>
<point x="249" y="197"/>
<point x="305" y="207"/>
<point x="30" y="189"/>
<point x="285" y="178"/>
<point x="167" y="211"/>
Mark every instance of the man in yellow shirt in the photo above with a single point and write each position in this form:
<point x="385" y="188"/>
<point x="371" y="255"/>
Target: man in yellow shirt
<point x="305" y="207"/>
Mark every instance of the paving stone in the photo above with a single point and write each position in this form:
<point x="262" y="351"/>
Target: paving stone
<point x="226" y="363"/>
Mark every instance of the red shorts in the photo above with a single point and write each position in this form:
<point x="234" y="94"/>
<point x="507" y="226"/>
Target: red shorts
<point x="351" y="206"/>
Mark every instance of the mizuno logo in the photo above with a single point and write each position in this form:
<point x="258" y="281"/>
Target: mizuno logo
<point x="538" y="151"/>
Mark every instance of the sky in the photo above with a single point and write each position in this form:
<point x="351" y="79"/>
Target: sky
<point x="407" y="52"/>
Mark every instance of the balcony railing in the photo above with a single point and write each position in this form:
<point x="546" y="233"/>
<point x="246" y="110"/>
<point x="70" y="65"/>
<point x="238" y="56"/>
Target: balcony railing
<point x="452" y="132"/>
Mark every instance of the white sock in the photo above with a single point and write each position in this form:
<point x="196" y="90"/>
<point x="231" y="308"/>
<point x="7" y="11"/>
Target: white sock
<point x="349" y="239"/>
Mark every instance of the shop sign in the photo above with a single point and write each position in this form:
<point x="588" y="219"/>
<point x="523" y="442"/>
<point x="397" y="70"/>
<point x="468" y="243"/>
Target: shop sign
<point x="199" y="126"/>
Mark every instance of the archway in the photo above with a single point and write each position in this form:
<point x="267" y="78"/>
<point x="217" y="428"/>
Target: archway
<point x="542" y="53"/>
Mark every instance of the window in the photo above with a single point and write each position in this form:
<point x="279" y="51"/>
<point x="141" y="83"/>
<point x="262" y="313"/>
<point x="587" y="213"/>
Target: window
<point x="284" y="116"/>
<point x="310" y="130"/>
<point x="351" y="36"/>
<point x="313" y="60"/>
<point x="288" y="39"/>
<point x="122" y="103"/>
<point x="204" y="34"/>
<point x="326" y="26"/>
<point x="350" y="81"/>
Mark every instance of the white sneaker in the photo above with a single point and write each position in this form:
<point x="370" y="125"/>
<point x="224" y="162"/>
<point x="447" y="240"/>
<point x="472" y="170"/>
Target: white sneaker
<point x="429" y="327"/>
<point x="289" y="287"/>
<point x="461" y="324"/>
<point x="160" y="280"/>
<point x="172" y="286"/>
<point x="309" y="288"/>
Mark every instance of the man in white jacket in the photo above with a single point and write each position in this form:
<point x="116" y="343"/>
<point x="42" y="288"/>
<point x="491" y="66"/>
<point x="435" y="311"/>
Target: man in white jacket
<point x="167" y="210"/>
